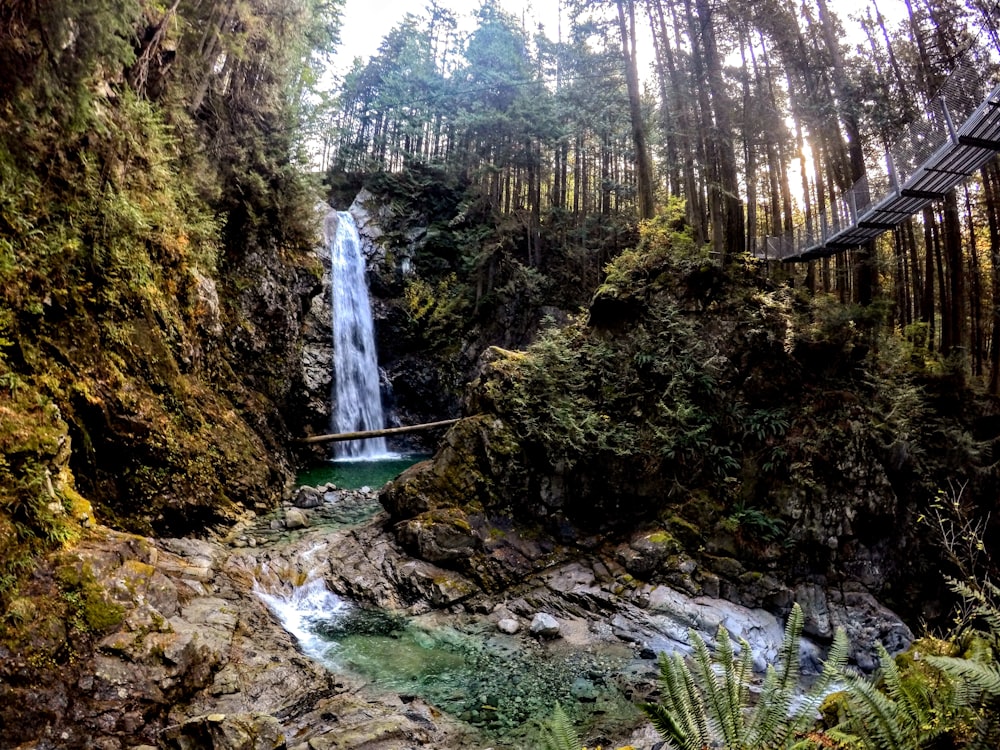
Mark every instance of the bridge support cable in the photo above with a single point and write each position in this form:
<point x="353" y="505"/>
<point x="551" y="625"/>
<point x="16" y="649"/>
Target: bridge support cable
<point x="958" y="134"/>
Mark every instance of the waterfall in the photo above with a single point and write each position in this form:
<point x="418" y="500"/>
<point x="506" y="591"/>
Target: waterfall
<point x="357" y="401"/>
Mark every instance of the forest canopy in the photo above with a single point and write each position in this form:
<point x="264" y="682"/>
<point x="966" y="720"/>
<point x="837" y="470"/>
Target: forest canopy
<point x="756" y="115"/>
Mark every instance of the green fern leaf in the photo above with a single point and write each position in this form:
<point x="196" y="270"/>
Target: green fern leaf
<point x="874" y="715"/>
<point x="561" y="733"/>
<point x="973" y="679"/>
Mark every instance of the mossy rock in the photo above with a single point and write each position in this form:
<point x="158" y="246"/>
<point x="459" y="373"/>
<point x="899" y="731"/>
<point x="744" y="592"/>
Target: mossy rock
<point x="473" y="469"/>
<point x="441" y="535"/>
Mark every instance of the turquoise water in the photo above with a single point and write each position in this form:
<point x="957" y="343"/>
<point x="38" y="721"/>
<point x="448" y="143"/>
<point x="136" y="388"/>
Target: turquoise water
<point x="352" y="475"/>
<point x="497" y="683"/>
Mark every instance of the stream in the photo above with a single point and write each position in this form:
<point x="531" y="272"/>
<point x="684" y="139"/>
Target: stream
<point x="504" y="685"/>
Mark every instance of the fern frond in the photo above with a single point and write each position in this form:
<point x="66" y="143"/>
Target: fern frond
<point x="666" y="725"/>
<point x="744" y="676"/>
<point x="561" y="734"/>
<point x="789" y="654"/>
<point x="761" y="725"/>
<point x="771" y="724"/>
<point x="708" y="681"/>
<point x="874" y="715"/>
<point x="984" y="599"/>
<point x="730" y="716"/>
<point x="833" y="668"/>
<point x="973" y="679"/>
<point x="681" y="717"/>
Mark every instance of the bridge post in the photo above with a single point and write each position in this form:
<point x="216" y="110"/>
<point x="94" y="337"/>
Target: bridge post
<point x="948" y="121"/>
<point x="891" y="165"/>
<point x="852" y="205"/>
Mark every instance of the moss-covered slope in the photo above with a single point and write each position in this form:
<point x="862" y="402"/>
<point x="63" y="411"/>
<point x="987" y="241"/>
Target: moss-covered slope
<point x="153" y="267"/>
<point x="767" y="438"/>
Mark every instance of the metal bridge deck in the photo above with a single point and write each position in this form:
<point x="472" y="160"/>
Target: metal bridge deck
<point x="959" y="134"/>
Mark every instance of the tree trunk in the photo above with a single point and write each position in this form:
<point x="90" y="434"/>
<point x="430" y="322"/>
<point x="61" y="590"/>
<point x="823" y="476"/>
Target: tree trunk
<point x="643" y="163"/>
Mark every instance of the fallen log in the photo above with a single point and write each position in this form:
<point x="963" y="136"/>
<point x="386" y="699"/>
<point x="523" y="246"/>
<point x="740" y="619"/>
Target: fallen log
<point x="374" y="433"/>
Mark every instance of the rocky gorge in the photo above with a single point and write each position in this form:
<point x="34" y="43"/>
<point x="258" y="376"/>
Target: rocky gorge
<point x="558" y="570"/>
<point x="186" y="654"/>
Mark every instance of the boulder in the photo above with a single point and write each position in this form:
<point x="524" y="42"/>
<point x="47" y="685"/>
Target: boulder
<point x="307" y="497"/>
<point x="441" y="588"/>
<point x="440" y="535"/>
<point x="509" y="625"/>
<point x="544" y="626"/>
<point x="295" y="519"/>
<point x="227" y="732"/>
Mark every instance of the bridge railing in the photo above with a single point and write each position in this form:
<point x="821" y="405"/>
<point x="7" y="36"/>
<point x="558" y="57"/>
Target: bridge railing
<point x="918" y="142"/>
<point x="957" y="99"/>
<point x="965" y="89"/>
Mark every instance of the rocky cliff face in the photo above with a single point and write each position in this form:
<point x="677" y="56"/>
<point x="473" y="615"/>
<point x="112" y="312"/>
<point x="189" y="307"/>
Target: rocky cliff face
<point x="128" y="642"/>
<point x="720" y="442"/>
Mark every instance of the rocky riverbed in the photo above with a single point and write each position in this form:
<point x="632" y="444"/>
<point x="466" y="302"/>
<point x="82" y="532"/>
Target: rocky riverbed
<point x="193" y="657"/>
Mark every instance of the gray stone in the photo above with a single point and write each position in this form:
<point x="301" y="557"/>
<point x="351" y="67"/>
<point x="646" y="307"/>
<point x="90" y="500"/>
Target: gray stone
<point x="438" y="586"/>
<point x="295" y="519"/>
<point x="508" y="625"/>
<point x="544" y="626"/>
<point x="307" y="497"/>
<point x="227" y="732"/>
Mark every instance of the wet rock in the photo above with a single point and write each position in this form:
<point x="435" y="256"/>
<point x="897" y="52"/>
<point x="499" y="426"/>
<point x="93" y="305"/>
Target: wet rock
<point x="295" y="519"/>
<point x="440" y="535"/>
<point x="227" y="732"/>
<point x="440" y="587"/>
<point x="545" y="626"/>
<point x="583" y="690"/>
<point x="307" y="497"/>
<point x="866" y="623"/>
<point x="647" y="552"/>
<point x="812" y="599"/>
<point x="508" y="625"/>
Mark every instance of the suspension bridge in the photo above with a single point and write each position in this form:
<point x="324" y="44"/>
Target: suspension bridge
<point x="957" y="135"/>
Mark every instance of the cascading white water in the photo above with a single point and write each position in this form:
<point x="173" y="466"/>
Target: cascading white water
<point x="301" y="608"/>
<point x="358" y="403"/>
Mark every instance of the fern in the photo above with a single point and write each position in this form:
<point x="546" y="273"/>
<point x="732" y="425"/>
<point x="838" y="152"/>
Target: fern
<point x="561" y="734"/>
<point x="973" y="680"/>
<point x="908" y="714"/>
<point x="707" y="704"/>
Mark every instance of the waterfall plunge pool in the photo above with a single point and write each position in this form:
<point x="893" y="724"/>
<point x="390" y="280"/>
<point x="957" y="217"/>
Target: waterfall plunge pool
<point x="506" y="686"/>
<point x="354" y="474"/>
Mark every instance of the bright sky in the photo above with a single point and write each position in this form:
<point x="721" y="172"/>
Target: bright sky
<point x="366" y="22"/>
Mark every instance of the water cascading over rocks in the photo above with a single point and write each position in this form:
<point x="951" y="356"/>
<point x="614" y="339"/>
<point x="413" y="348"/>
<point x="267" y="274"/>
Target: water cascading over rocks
<point x="356" y="397"/>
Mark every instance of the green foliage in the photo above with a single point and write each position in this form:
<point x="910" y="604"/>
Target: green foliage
<point x="707" y="702"/>
<point x="89" y="610"/>
<point x="937" y="694"/>
<point x="560" y="734"/>
<point x="653" y="399"/>
<point x="437" y="311"/>
<point x="113" y="210"/>
<point x="754" y="523"/>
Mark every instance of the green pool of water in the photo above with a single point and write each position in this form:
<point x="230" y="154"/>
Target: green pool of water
<point x="353" y="475"/>
<point x="497" y="683"/>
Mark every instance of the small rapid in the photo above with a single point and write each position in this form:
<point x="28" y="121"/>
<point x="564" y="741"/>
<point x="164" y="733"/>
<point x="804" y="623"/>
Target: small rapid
<point x="503" y="685"/>
<point x="302" y="609"/>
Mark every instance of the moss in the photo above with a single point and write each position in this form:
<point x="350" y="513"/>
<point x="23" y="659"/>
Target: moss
<point x="661" y="537"/>
<point x="833" y="709"/>
<point x="688" y="533"/>
<point x="90" y="611"/>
